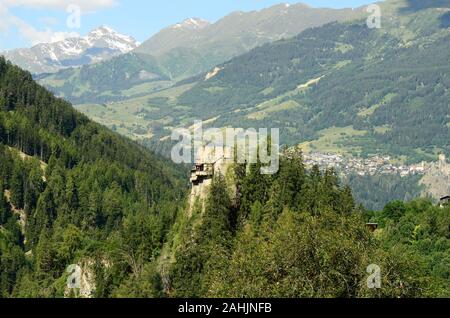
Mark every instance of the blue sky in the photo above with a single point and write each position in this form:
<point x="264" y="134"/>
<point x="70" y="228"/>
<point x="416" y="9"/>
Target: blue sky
<point x="27" y="22"/>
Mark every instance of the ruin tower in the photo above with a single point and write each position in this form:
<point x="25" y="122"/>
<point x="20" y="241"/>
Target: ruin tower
<point x="442" y="161"/>
<point x="209" y="161"/>
<point x="443" y="166"/>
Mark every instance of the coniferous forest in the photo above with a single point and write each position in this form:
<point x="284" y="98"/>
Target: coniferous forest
<point x="301" y="234"/>
<point x="73" y="192"/>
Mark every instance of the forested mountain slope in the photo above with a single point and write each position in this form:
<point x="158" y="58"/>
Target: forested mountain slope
<point x="75" y="193"/>
<point x="300" y="234"/>
<point x="389" y="87"/>
<point x="109" y="80"/>
<point x="340" y="87"/>
<point x="83" y="193"/>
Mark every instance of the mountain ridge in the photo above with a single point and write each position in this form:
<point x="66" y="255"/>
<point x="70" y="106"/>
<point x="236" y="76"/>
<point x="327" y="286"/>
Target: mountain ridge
<point x="179" y="52"/>
<point x="303" y="85"/>
<point x="302" y="78"/>
<point x="100" y="44"/>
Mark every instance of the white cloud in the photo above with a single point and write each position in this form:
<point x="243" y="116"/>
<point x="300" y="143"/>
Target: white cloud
<point x="36" y="36"/>
<point x="27" y="31"/>
<point x="85" y="5"/>
<point x="50" y="21"/>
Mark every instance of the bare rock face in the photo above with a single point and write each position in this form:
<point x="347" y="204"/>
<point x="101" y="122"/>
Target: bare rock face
<point x="81" y="281"/>
<point x="209" y="163"/>
<point x="437" y="179"/>
<point x="87" y="286"/>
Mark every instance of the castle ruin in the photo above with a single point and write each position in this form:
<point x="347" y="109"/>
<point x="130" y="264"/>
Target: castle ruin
<point x="209" y="161"/>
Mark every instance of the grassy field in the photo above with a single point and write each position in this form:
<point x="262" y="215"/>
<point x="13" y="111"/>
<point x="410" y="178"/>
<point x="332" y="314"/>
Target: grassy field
<point x="331" y="140"/>
<point x="259" y="115"/>
<point x="139" y="114"/>
<point x="370" y="110"/>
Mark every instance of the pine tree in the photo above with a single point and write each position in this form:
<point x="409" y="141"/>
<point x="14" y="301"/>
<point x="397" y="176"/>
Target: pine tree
<point x="2" y="103"/>
<point x="17" y="186"/>
<point x="292" y="179"/>
<point x="42" y="218"/>
<point x="5" y="211"/>
<point x="217" y="217"/>
<point x="256" y="187"/>
<point x="347" y="202"/>
<point x="330" y="189"/>
<point x="312" y="199"/>
<point x="71" y="194"/>
<point x="90" y="176"/>
<point x="112" y="206"/>
<point x="34" y="186"/>
<point x="93" y="213"/>
<point x="44" y="255"/>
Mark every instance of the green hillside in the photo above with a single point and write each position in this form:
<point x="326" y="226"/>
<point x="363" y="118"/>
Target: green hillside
<point x="340" y="86"/>
<point x="186" y="49"/>
<point x="73" y="192"/>
<point x="107" y="80"/>
<point x="390" y="84"/>
<point x="80" y="193"/>
<point x="299" y="234"/>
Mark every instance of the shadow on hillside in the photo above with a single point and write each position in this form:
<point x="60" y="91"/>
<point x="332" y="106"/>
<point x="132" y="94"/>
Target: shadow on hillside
<point x="417" y="5"/>
<point x="445" y="20"/>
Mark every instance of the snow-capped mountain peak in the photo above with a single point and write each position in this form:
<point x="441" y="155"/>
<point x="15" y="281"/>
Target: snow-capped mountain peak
<point x="103" y="29"/>
<point x="105" y="35"/>
<point x="98" y="45"/>
<point x="192" y="24"/>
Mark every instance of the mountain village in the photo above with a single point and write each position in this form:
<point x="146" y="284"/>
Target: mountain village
<point x="374" y="165"/>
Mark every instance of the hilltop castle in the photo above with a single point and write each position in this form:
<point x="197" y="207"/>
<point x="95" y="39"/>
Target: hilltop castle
<point x="209" y="161"/>
<point x="443" y="166"/>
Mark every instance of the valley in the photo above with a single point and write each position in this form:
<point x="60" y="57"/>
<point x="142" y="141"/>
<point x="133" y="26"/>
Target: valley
<point x="348" y="100"/>
<point x="188" y="48"/>
<point x="93" y="205"/>
<point x="356" y="97"/>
